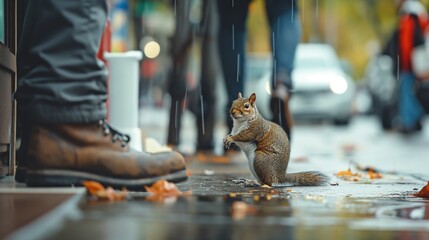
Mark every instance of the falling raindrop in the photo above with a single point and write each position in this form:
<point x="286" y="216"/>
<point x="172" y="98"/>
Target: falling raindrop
<point x="274" y="45"/>
<point x="317" y="8"/>
<point x="175" y="6"/>
<point x="202" y="114"/>
<point x="280" y="112"/>
<point x="238" y="66"/>
<point x="232" y="3"/>
<point x="274" y="71"/>
<point x="175" y="115"/>
<point x="397" y="67"/>
<point x="186" y="95"/>
<point x="303" y="10"/>
<point x="175" y="123"/>
<point x="278" y="27"/>
<point x="233" y="37"/>
<point x="291" y="17"/>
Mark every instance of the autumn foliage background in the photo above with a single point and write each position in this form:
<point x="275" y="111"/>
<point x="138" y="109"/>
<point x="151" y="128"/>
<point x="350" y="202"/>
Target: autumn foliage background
<point x="356" y="28"/>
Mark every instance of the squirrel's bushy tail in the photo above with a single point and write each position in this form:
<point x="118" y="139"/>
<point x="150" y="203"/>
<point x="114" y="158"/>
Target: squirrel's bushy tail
<point x="312" y="178"/>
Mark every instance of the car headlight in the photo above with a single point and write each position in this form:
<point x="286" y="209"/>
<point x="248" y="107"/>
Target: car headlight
<point x="338" y="85"/>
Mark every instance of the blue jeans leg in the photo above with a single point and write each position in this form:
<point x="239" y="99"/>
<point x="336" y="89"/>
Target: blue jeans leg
<point x="410" y="110"/>
<point x="285" y="37"/>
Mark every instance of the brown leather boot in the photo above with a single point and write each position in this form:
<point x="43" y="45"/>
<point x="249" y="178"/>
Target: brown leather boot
<point x="64" y="155"/>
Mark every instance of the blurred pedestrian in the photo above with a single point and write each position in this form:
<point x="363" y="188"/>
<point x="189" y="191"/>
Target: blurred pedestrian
<point x="285" y="34"/>
<point x="62" y="93"/>
<point x="202" y="100"/>
<point x="412" y="15"/>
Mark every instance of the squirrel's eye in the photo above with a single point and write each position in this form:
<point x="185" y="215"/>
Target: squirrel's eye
<point x="246" y="106"/>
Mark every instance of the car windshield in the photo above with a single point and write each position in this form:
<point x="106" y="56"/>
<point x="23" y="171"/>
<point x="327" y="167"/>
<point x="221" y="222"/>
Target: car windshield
<point x="309" y="58"/>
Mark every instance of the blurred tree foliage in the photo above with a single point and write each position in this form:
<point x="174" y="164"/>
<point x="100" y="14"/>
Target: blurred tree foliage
<point x="357" y="29"/>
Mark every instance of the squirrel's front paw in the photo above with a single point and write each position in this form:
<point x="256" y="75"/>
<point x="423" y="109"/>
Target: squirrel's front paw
<point x="227" y="141"/>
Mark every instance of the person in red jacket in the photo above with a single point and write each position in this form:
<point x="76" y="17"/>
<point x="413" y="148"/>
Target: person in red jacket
<point x="410" y="110"/>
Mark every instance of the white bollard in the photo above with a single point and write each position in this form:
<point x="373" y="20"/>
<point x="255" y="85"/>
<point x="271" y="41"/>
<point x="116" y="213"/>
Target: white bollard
<point x="124" y="94"/>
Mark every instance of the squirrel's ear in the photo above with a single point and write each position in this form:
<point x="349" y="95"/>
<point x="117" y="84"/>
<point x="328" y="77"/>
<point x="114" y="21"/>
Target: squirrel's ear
<point x="239" y="95"/>
<point x="252" y="98"/>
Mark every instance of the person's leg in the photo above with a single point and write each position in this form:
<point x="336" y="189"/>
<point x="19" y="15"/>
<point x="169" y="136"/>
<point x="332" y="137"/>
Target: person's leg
<point x="60" y="80"/>
<point x="285" y="36"/>
<point x="231" y="40"/>
<point x="209" y="73"/>
<point x="62" y="95"/>
<point x="180" y="45"/>
<point x="410" y="109"/>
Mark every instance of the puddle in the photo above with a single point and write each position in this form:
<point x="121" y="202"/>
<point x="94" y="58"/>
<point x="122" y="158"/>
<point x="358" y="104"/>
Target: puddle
<point x="250" y="215"/>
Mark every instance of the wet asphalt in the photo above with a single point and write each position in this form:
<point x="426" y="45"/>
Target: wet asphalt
<point x="219" y="208"/>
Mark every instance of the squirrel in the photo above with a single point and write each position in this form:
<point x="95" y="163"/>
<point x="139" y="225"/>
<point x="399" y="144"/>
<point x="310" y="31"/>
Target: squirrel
<point x="266" y="147"/>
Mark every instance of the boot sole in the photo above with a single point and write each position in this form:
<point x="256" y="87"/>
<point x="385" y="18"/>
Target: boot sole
<point x="67" y="178"/>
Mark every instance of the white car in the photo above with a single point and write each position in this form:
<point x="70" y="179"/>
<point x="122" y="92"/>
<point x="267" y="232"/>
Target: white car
<point x="322" y="89"/>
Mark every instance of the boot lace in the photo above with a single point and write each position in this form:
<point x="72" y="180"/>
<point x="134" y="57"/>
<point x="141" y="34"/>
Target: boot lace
<point x="123" y="138"/>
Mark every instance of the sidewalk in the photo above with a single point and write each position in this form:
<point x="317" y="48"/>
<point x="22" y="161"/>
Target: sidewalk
<point x="360" y="208"/>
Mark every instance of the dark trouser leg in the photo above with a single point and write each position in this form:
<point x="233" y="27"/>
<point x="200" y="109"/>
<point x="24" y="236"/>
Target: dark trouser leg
<point x="232" y="39"/>
<point x="60" y="79"/>
<point x="180" y="44"/>
<point x="209" y="73"/>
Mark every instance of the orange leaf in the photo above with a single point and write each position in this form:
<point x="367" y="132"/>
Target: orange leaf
<point x="424" y="192"/>
<point x="348" y="172"/>
<point x="163" y="187"/>
<point x="374" y="175"/>
<point x="96" y="189"/>
<point x="93" y="187"/>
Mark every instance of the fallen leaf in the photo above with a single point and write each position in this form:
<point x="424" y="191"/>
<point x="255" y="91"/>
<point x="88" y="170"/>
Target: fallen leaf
<point x="163" y="187"/>
<point x="374" y="175"/>
<point x="97" y="190"/>
<point x="162" y="190"/>
<point x="424" y="192"/>
<point x="347" y="173"/>
<point x="93" y="187"/>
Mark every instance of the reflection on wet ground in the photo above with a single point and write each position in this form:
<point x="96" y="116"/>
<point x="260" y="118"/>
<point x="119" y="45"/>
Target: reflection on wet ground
<point x="249" y="213"/>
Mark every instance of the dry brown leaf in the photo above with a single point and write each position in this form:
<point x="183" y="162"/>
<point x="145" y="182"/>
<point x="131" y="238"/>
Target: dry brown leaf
<point x="104" y="194"/>
<point x="347" y="173"/>
<point x="93" y="187"/>
<point x="374" y="175"/>
<point x="164" y="191"/>
<point x="163" y="187"/>
<point x="424" y="192"/>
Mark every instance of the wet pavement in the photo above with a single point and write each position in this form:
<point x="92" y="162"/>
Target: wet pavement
<point x="349" y="208"/>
